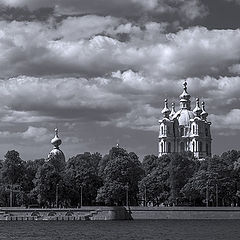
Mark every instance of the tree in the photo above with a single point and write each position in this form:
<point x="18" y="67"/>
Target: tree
<point x="46" y="182"/>
<point x="215" y="175"/>
<point x="150" y="162"/>
<point x="154" y="187"/>
<point x="181" y="168"/>
<point x="27" y="183"/>
<point x="121" y="176"/>
<point x="13" y="168"/>
<point x="82" y="172"/>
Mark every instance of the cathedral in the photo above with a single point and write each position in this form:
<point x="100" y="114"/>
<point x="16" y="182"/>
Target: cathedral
<point x="185" y="130"/>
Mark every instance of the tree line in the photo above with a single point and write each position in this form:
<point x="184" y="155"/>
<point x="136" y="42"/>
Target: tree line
<point x="119" y="178"/>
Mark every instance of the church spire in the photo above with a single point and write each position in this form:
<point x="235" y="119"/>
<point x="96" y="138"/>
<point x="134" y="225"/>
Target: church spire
<point x="197" y="110"/>
<point x="166" y="111"/>
<point x="185" y="98"/>
<point x="204" y="114"/>
<point x="56" y="141"/>
<point x="173" y="111"/>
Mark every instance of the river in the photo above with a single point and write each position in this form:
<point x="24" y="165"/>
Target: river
<point x="139" y="230"/>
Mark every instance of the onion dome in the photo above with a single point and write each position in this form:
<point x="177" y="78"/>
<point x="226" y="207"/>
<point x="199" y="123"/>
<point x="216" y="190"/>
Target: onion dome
<point x="197" y="110"/>
<point x="166" y="111"/>
<point x="56" y="156"/>
<point x="56" y="141"/>
<point x="184" y="116"/>
<point x="204" y="114"/>
<point x="185" y="98"/>
<point x="173" y="111"/>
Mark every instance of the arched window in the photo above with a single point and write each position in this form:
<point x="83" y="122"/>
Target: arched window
<point x="169" y="147"/>
<point x="206" y="132"/>
<point x="200" y="147"/>
<point x="207" y="150"/>
<point x="182" y="147"/>
<point x="182" y="131"/>
<point x="193" y="129"/>
<point x="193" y="146"/>
<point x="162" y="149"/>
<point x="162" y="130"/>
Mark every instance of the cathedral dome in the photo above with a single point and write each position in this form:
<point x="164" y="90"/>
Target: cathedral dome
<point x="184" y="116"/>
<point x="56" y="153"/>
<point x="56" y="141"/>
<point x="56" y="156"/>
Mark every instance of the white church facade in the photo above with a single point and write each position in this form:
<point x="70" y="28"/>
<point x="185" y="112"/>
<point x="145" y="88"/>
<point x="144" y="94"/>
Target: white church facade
<point x="185" y="130"/>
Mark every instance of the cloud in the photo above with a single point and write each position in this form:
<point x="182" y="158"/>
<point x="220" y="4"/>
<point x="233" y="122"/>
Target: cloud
<point x="235" y="69"/>
<point x="47" y="49"/>
<point x="235" y="1"/>
<point x="36" y="134"/>
<point x="123" y="99"/>
<point x="189" y="9"/>
<point x="227" y="122"/>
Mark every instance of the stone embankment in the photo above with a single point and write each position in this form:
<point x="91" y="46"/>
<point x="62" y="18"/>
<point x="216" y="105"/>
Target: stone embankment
<point x="119" y="213"/>
<point x="64" y="214"/>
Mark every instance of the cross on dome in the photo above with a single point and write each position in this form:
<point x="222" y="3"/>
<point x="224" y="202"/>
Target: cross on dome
<point x="185" y="85"/>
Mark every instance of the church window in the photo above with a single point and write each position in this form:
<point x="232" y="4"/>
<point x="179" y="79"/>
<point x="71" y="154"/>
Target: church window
<point x="193" y="129"/>
<point x="200" y="146"/>
<point x="169" y="147"/>
<point x="162" y="149"/>
<point x="206" y="132"/>
<point x="193" y="145"/>
<point x="182" y="131"/>
<point x="162" y="130"/>
<point x="182" y="147"/>
<point x="207" y="150"/>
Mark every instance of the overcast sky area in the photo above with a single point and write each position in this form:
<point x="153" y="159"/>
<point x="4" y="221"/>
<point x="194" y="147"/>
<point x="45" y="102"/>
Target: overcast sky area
<point x="100" y="70"/>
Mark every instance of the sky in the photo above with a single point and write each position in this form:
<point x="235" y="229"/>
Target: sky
<point x="99" y="70"/>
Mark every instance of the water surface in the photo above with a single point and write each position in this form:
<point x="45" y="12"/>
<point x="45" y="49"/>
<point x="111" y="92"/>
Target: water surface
<point x="140" y="229"/>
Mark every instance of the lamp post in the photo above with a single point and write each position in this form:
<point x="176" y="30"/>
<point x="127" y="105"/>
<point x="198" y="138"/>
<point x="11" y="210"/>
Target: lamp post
<point x="81" y="196"/>
<point x="57" y="195"/>
<point x="127" y="195"/>
<point x="207" y="195"/>
<point x="216" y="195"/>
<point x="145" y="196"/>
<point x="11" y="195"/>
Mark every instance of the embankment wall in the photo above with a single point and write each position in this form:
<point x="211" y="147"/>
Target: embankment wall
<point x="185" y="212"/>
<point x="120" y="213"/>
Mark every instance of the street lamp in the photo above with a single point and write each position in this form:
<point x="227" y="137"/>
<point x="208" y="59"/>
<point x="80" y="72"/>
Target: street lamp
<point x="81" y="196"/>
<point x="145" y="196"/>
<point x="207" y="194"/>
<point x="127" y="195"/>
<point x="57" y="194"/>
<point x="216" y="195"/>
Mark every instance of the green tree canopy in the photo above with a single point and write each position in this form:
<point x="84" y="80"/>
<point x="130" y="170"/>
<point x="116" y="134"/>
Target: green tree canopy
<point x="120" y="176"/>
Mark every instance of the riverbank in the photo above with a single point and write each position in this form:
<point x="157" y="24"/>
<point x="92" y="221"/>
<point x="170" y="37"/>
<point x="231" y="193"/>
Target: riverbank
<point x="119" y="213"/>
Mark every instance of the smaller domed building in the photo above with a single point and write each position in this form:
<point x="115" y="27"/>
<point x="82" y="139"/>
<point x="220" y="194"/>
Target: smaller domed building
<point x="185" y="130"/>
<point x="56" y="156"/>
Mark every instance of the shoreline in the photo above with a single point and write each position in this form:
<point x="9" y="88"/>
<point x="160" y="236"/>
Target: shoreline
<point x="118" y="213"/>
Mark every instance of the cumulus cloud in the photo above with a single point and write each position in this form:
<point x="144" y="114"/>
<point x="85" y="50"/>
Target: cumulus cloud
<point x="189" y="9"/>
<point x="235" y="69"/>
<point x="227" y="122"/>
<point x="124" y="99"/>
<point x="109" y="67"/>
<point x="38" y="135"/>
<point x="33" y="48"/>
